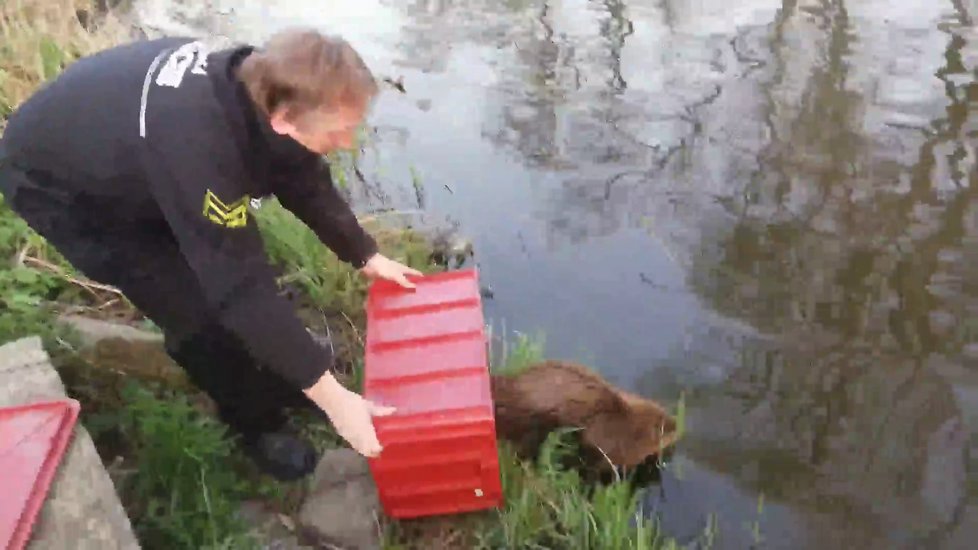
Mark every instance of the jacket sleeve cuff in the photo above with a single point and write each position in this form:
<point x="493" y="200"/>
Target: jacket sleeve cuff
<point x="367" y="249"/>
<point x="276" y="337"/>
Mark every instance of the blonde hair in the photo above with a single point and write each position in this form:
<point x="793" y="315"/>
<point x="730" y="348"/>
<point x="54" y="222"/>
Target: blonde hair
<point x="303" y="70"/>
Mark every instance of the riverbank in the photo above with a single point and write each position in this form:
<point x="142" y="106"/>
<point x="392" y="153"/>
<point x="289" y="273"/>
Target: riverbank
<point x="181" y="479"/>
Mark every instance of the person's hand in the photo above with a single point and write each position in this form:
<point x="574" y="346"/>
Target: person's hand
<point x="350" y="414"/>
<point x="379" y="266"/>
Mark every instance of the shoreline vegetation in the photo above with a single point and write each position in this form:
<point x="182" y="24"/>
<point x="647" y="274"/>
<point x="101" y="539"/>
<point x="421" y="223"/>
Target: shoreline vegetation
<point x="167" y="455"/>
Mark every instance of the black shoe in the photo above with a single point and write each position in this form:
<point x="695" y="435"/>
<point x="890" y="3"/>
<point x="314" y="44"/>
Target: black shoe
<point x="282" y="455"/>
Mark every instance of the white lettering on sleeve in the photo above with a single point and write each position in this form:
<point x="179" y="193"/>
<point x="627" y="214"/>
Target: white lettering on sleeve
<point x="172" y="73"/>
<point x="146" y="83"/>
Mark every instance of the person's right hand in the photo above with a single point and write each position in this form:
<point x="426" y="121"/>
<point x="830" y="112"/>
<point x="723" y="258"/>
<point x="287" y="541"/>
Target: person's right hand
<point x="350" y="414"/>
<point x="382" y="267"/>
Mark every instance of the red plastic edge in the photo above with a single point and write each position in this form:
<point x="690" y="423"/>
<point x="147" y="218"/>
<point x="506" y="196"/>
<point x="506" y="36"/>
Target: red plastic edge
<point x="42" y="484"/>
<point x="430" y="426"/>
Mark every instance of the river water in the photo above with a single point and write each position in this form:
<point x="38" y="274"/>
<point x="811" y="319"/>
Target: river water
<point x="767" y="205"/>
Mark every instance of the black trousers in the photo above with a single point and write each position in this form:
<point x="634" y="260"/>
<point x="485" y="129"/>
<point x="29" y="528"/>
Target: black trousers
<point x="144" y="262"/>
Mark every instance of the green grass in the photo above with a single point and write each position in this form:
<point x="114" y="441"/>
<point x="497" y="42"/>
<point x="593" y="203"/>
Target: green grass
<point x="22" y="288"/>
<point x="184" y="495"/>
<point x="326" y="283"/>
<point x="548" y="507"/>
<point x="525" y="351"/>
<point x="38" y="38"/>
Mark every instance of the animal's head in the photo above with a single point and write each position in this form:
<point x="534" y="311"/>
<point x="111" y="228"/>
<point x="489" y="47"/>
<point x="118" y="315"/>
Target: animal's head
<point x="632" y="431"/>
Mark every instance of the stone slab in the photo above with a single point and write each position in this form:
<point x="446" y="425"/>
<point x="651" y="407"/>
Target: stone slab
<point x="82" y="510"/>
<point x="93" y="331"/>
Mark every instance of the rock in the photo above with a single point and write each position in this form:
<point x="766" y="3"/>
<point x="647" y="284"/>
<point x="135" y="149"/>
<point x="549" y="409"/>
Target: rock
<point x="93" y="331"/>
<point x="124" y="348"/>
<point x="275" y="531"/>
<point x="162" y="17"/>
<point x="82" y="510"/>
<point x="342" y="509"/>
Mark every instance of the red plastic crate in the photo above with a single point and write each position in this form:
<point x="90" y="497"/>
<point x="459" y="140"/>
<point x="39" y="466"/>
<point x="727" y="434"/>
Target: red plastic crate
<point x="426" y="356"/>
<point x="33" y="439"/>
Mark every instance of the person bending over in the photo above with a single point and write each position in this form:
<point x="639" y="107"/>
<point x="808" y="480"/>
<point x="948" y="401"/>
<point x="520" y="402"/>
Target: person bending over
<point x="141" y="164"/>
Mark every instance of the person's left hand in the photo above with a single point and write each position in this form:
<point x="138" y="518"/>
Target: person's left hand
<point x="379" y="266"/>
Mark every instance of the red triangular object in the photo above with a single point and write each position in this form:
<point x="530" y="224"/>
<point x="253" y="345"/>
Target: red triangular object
<point x="33" y="439"/>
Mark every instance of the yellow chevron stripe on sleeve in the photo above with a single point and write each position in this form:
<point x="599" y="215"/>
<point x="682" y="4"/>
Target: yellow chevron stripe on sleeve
<point x="232" y="216"/>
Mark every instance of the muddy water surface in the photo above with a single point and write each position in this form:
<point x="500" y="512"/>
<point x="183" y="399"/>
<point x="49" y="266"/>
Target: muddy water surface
<point x="770" y="205"/>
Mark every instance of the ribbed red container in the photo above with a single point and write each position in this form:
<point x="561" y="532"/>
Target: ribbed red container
<point x="33" y="440"/>
<point x="426" y="355"/>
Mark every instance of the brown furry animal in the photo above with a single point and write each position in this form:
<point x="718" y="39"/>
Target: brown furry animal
<point x="556" y="394"/>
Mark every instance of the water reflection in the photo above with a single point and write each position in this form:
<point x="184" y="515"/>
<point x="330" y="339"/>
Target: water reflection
<point x="854" y="276"/>
<point x="820" y="191"/>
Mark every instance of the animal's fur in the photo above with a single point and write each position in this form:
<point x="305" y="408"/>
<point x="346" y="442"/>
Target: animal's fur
<point x="556" y="394"/>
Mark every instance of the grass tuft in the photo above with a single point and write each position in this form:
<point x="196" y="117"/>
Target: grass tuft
<point x="512" y="360"/>
<point x="39" y="38"/>
<point x="550" y="507"/>
<point x="327" y="283"/>
<point x="184" y="494"/>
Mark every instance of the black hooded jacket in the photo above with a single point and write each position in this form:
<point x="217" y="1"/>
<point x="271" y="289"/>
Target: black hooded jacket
<point x="160" y="130"/>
